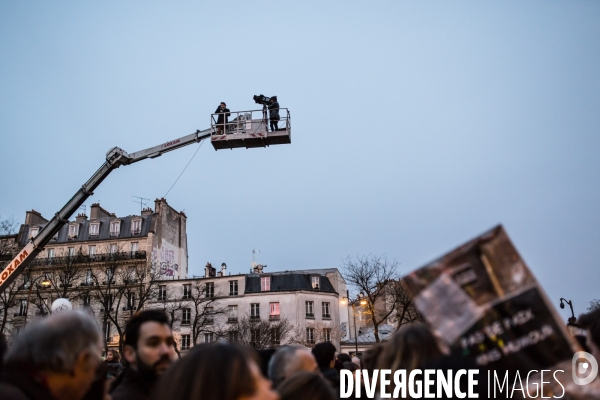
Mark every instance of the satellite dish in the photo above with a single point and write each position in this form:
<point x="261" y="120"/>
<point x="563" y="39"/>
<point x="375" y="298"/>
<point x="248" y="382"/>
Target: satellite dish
<point x="61" y="305"/>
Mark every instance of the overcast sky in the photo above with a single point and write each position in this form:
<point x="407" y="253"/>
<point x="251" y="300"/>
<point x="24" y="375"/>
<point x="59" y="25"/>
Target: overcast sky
<point x="416" y="125"/>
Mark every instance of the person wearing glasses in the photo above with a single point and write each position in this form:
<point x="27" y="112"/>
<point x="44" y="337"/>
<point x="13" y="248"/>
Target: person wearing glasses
<point x="224" y="113"/>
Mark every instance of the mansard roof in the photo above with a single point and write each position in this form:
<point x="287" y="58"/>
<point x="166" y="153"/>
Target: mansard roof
<point x="288" y="281"/>
<point x="84" y="230"/>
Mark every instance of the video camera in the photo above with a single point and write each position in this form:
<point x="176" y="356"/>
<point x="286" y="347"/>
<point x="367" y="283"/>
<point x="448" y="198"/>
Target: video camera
<point x="262" y="99"/>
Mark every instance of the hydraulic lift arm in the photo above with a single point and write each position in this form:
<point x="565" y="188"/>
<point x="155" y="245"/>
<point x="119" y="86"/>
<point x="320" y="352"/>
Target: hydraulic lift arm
<point x="114" y="159"/>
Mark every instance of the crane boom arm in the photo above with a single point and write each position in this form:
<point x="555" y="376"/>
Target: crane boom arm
<point x="114" y="159"/>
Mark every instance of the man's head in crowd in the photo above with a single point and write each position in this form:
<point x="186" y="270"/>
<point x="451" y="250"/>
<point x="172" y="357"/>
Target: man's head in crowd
<point x="591" y="322"/>
<point x="64" y="350"/>
<point x="289" y="360"/>
<point x="149" y="345"/>
<point x="324" y="354"/>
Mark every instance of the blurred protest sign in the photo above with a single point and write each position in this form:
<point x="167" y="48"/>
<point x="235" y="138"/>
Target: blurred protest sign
<point x="488" y="306"/>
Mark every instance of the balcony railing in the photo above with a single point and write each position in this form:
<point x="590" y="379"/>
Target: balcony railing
<point x="83" y="259"/>
<point x="274" y="317"/>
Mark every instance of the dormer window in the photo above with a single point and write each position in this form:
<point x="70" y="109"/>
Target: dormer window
<point x="33" y="231"/>
<point x="94" y="228"/>
<point x="265" y="283"/>
<point x="73" y="231"/>
<point x="115" y="228"/>
<point x="136" y="226"/>
<point x="315" y="282"/>
<point x="55" y="237"/>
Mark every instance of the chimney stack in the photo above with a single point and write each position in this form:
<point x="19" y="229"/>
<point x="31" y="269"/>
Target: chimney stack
<point x="223" y="268"/>
<point x="81" y="217"/>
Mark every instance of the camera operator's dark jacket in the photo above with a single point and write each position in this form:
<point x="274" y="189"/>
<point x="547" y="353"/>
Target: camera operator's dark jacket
<point x="274" y="111"/>
<point x="223" y="115"/>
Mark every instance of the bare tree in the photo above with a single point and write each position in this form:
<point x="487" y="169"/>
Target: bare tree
<point x="594" y="305"/>
<point x="205" y="304"/>
<point x="8" y="226"/>
<point x="260" y="333"/>
<point x="372" y="275"/>
<point x="406" y="312"/>
<point x="320" y="333"/>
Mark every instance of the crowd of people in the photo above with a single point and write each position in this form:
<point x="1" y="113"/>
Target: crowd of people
<point x="60" y="357"/>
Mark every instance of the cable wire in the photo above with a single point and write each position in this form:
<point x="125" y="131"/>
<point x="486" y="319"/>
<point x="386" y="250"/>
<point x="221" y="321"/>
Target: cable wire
<point x="165" y="196"/>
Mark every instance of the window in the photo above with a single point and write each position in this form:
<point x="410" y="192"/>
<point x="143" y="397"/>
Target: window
<point x="115" y="228"/>
<point x="108" y="302"/>
<point x="254" y="337"/>
<point x="26" y="281"/>
<point x="232" y="313"/>
<point x="315" y="282"/>
<point x="273" y="310"/>
<point x="86" y="298"/>
<point x="255" y="311"/>
<point x="210" y="312"/>
<point x="22" y="308"/>
<point x="134" y="247"/>
<point x="233" y="336"/>
<point x="94" y="228"/>
<point x="55" y="237"/>
<point x="136" y="226"/>
<point x="187" y="291"/>
<point x="186" y="316"/>
<point x="310" y="335"/>
<point x="275" y="336"/>
<point x="130" y="302"/>
<point x="70" y="251"/>
<point x="73" y="231"/>
<point x="33" y="231"/>
<point x="185" y="342"/>
<point x="162" y="292"/>
<point x="113" y="248"/>
<point x="325" y="307"/>
<point x="110" y="275"/>
<point x="310" y="313"/>
<point x="209" y="337"/>
<point x="50" y="253"/>
<point x="210" y="289"/>
<point x="233" y="288"/>
<point x="265" y="283"/>
<point x="327" y="334"/>
<point x="106" y="330"/>
<point x="89" y="278"/>
<point x="92" y="251"/>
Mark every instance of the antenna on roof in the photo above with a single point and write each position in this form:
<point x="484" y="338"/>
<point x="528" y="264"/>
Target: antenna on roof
<point x="141" y="201"/>
<point x="254" y="257"/>
<point x="84" y="208"/>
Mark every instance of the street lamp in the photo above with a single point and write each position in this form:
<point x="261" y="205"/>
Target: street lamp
<point x="362" y="301"/>
<point x="45" y="284"/>
<point x="572" y="318"/>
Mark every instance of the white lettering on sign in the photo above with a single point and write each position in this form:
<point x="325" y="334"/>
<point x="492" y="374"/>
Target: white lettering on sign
<point x="8" y="271"/>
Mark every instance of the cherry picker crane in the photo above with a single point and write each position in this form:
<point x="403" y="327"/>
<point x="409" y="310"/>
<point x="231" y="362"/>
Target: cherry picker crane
<point x="243" y="131"/>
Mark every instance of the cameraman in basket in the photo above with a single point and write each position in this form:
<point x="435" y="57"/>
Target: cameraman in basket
<point x="274" y="113"/>
<point x="224" y="113"/>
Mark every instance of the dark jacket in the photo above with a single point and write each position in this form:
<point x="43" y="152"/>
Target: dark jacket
<point x="114" y="369"/>
<point x="274" y="111"/>
<point x="223" y="115"/>
<point x="131" y="385"/>
<point x="20" y="384"/>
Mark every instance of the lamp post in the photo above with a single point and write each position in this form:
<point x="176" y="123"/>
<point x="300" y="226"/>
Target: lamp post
<point x="45" y="284"/>
<point x="572" y="318"/>
<point x="362" y="302"/>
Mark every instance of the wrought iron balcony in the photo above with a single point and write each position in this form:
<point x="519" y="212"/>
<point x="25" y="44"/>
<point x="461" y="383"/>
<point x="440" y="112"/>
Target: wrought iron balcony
<point x="86" y="259"/>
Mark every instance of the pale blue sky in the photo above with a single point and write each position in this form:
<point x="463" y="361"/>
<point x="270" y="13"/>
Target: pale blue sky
<point x="416" y="125"/>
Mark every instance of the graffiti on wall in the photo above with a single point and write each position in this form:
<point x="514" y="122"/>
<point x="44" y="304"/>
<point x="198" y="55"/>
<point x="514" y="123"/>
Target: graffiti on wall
<point x="165" y="259"/>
